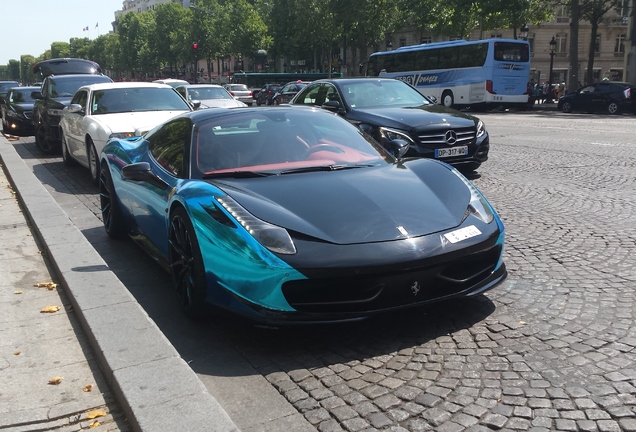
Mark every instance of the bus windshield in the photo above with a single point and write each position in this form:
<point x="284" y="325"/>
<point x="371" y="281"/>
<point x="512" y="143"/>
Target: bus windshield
<point x="461" y="73"/>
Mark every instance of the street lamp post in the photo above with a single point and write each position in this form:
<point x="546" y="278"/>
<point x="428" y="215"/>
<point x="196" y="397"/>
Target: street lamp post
<point x="553" y="44"/>
<point x="523" y="32"/>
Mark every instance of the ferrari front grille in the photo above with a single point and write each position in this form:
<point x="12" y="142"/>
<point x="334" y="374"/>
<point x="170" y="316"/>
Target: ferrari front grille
<point x="377" y="292"/>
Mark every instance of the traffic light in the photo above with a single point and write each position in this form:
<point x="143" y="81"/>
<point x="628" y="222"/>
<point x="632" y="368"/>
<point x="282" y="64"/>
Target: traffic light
<point x="195" y="46"/>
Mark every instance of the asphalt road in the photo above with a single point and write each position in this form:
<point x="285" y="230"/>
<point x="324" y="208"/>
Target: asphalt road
<point x="553" y="348"/>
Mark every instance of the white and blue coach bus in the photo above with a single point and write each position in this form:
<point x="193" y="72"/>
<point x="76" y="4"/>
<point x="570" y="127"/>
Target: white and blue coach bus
<point x="477" y="74"/>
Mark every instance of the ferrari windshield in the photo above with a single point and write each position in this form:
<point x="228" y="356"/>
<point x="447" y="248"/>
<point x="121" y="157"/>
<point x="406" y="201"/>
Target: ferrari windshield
<point x="281" y="141"/>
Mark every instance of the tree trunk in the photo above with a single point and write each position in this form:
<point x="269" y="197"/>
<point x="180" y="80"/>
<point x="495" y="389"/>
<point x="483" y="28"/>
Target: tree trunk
<point x="589" y="76"/>
<point x="573" y="76"/>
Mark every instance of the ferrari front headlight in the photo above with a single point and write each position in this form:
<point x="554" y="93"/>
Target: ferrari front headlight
<point x="273" y="237"/>
<point x="478" y="206"/>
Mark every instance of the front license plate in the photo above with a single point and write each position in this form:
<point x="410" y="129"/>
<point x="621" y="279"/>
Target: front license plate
<point x="462" y="234"/>
<point x="452" y="151"/>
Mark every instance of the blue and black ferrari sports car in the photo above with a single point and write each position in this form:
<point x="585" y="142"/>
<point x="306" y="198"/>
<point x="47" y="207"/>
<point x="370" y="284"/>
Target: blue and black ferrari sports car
<point x="293" y="214"/>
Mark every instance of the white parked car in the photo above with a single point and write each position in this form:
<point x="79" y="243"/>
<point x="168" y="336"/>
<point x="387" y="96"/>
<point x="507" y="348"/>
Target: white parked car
<point x="210" y="96"/>
<point x="99" y="112"/>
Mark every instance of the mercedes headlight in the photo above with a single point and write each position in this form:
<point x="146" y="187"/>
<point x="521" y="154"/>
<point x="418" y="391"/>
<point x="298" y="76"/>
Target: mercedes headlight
<point x="393" y="134"/>
<point x="481" y="129"/>
<point x="273" y="237"/>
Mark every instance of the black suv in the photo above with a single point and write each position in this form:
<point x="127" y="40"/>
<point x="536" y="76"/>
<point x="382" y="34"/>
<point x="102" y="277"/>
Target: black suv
<point x="611" y="97"/>
<point x="60" y="79"/>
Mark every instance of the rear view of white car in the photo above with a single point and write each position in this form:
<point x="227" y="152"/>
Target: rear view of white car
<point x="100" y="112"/>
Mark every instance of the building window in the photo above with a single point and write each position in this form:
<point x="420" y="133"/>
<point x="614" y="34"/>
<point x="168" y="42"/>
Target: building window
<point x="496" y="35"/>
<point x="426" y="39"/>
<point x="563" y="14"/>
<point x="562" y="44"/>
<point x="402" y="41"/>
<point x="455" y="38"/>
<point x="531" y="43"/>
<point x="619" y="47"/>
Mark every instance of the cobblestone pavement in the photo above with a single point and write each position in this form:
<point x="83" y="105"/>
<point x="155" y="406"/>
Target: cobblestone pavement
<point x="553" y="348"/>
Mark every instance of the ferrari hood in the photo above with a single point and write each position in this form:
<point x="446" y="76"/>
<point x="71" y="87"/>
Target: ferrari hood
<point x="358" y="205"/>
<point x="412" y="117"/>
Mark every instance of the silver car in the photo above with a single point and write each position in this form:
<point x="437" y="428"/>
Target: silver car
<point x="240" y="92"/>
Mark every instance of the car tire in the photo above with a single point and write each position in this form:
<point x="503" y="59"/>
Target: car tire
<point x="258" y="102"/>
<point x="66" y="157"/>
<point x="566" y="107"/>
<point x="110" y="206"/>
<point x="612" y="108"/>
<point x="42" y="140"/>
<point x="186" y="264"/>
<point x="93" y="161"/>
<point x="447" y="99"/>
<point x="276" y="102"/>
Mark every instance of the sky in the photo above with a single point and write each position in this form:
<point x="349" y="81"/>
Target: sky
<point x="30" y="26"/>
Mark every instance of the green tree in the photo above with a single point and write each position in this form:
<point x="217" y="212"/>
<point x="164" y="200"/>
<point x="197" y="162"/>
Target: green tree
<point x="60" y="49"/>
<point x="26" y="63"/>
<point x="79" y="47"/>
<point x="171" y="34"/>
<point x="594" y="11"/>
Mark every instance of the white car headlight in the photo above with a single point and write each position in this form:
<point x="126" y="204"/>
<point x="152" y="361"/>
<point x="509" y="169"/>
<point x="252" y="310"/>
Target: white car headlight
<point x="481" y="128"/>
<point x="273" y="237"/>
<point x="121" y="135"/>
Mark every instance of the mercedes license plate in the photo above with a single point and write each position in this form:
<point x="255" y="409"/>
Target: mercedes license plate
<point x="451" y="151"/>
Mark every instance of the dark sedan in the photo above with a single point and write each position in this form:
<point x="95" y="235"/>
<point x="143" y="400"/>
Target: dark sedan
<point x="288" y="91"/>
<point x="17" y="111"/>
<point x="390" y="109"/>
<point x="266" y="95"/>
<point x="292" y="214"/>
<point x="4" y="88"/>
<point x="611" y="97"/>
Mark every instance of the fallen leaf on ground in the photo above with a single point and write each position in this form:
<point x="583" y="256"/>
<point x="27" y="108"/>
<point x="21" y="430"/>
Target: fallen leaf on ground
<point x="17" y="292"/>
<point x="50" y="309"/>
<point x="95" y="414"/>
<point x="88" y="388"/>
<point x="48" y="285"/>
<point x="16" y="353"/>
<point x="93" y="425"/>
<point x="56" y="380"/>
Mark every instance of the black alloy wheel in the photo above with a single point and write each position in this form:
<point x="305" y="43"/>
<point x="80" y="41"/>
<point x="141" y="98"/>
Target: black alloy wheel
<point x="43" y="141"/>
<point x="111" y="212"/>
<point x="566" y="107"/>
<point x="612" y="108"/>
<point x="186" y="264"/>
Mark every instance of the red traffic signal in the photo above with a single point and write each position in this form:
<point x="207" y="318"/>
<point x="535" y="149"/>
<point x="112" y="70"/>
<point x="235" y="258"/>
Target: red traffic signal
<point x="195" y="45"/>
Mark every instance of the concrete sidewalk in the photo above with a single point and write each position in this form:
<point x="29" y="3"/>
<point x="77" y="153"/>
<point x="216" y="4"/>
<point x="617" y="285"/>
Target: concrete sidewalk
<point x="139" y="381"/>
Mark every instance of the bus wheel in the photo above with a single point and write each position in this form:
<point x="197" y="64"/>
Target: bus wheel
<point x="447" y="98"/>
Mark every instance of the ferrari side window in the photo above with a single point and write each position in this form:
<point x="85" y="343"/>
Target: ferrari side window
<point x="169" y="145"/>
